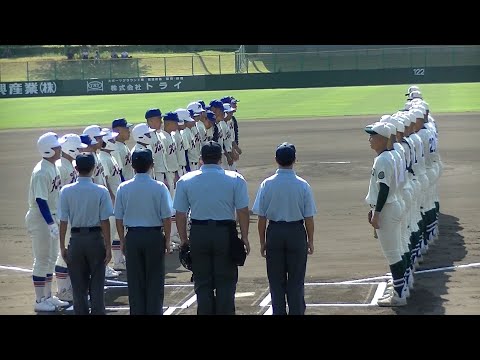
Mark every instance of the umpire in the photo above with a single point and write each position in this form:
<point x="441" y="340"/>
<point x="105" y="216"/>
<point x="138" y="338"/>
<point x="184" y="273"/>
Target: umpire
<point x="144" y="206"/>
<point x="286" y="200"/>
<point x="87" y="206"/>
<point x="213" y="195"/>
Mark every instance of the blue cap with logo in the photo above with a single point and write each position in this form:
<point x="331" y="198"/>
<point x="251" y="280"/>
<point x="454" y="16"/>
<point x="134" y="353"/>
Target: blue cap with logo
<point x="216" y="103"/>
<point x="226" y="99"/>
<point x="152" y="112"/>
<point x="285" y="152"/>
<point x="121" y="122"/>
<point x="87" y="140"/>
<point x="171" y="116"/>
<point x="211" y="116"/>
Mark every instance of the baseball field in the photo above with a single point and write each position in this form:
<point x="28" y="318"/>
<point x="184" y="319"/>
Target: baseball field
<point x="347" y="272"/>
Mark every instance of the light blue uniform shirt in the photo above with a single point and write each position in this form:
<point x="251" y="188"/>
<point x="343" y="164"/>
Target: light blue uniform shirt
<point x="212" y="193"/>
<point x="284" y="197"/>
<point x="143" y="202"/>
<point x="84" y="204"/>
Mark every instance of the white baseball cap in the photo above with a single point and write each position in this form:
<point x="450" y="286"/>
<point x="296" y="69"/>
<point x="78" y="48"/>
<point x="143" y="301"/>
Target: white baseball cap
<point x="379" y="128"/>
<point x="404" y="119"/>
<point x="71" y="144"/>
<point x="228" y="108"/>
<point x="421" y="107"/>
<point x="47" y="142"/>
<point x="417" y="113"/>
<point x="391" y="126"/>
<point x="412" y="88"/>
<point x="184" y="115"/>
<point x="139" y="132"/>
<point x="94" y="130"/>
<point x="196" y="107"/>
<point x="385" y="118"/>
<point x="415" y="95"/>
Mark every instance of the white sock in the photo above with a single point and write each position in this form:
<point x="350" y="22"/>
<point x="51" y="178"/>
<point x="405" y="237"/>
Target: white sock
<point x="63" y="279"/>
<point x="48" y="285"/>
<point x="39" y="284"/>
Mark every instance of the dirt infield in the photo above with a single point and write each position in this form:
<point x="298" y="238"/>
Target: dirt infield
<point x="335" y="158"/>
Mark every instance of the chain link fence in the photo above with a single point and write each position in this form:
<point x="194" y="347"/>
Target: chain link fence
<point x="240" y="62"/>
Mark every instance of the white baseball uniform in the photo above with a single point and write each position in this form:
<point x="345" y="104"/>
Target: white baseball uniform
<point x="171" y="161"/>
<point x="44" y="184"/>
<point x="124" y="160"/>
<point x="383" y="171"/>
<point x="180" y="150"/>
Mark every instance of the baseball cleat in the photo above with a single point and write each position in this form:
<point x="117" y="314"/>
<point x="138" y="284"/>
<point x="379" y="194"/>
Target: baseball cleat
<point x="44" y="306"/>
<point x="393" y="300"/>
<point x="110" y="273"/>
<point x="55" y="301"/>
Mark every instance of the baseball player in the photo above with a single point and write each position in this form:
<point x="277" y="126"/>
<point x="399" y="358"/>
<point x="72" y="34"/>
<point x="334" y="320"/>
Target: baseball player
<point x="95" y="132"/>
<point x="42" y="223"/>
<point x="113" y="180"/>
<point x="71" y="147"/>
<point x="196" y="111"/>
<point x="218" y="109"/>
<point x="182" y="145"/>
<point x="420" y="180"/>
<point x="230" y="144"/>
<point x="144" y="137"/>
<point x="398" y="154"/>
<point x="154" y="121"/>
<point x="385" y="211"/>
<point x="170" y="120"/>
<point x="122" y="152"/>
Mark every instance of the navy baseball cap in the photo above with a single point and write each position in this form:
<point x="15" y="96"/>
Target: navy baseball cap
<point x="211" y="116"/>
<point x="142" y="156"/>
<point x="216" y="103"/>
<point x="211" y="149"/>
<point x="152" y="112"/>
<point x="85" y="161"/>
<point x="202" y="103"/>
<point x="285" y="152"/>
<point x="121" y="122"/>
<point x="171" y="116"/>
<point x="226" y="99"/>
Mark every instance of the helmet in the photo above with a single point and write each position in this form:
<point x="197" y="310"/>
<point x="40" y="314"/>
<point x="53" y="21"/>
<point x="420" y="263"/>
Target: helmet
<point x="47" y="142"/>
<point x="94" y="130"/>
<point x="185" y="256"/>
<point x="109" y="140"/>
<point x="72" y="142"/>
<point x="139" y="133"/>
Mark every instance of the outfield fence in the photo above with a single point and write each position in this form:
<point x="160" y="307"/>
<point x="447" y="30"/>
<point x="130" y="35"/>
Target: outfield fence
<point x="241" y="62"/>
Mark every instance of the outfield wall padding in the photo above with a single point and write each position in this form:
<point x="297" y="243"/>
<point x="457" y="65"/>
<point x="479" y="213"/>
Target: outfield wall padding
<point x="303" y="79"/>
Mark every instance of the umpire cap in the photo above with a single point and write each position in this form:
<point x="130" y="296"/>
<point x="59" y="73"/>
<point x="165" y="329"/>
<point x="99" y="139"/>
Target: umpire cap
<point x="285" y="152"/>
<point x="211" y="149"/>
<point x="142" y="157"/>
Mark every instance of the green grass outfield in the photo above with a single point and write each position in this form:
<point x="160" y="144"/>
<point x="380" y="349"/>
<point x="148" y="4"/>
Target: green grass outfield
<point x="56" y="112"/>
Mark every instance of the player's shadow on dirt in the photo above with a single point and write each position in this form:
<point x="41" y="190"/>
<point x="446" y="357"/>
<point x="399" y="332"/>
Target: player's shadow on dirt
<point x="427" y="297"/>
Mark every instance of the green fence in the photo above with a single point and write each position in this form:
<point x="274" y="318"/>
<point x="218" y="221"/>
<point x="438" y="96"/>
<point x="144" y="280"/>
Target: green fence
<point x="241" y="62"/>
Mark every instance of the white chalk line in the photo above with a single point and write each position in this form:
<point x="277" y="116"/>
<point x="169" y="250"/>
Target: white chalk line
<point x="266" y="301"/>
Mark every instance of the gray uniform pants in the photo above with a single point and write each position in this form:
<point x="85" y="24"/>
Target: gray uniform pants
<point x="214" y="273"/>
<point x="86" y="266"/>
<point x="145" y="256"/>
<point x="286" y="249"/>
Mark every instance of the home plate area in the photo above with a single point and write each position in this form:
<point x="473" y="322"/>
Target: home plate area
<point x="251" y="298"/>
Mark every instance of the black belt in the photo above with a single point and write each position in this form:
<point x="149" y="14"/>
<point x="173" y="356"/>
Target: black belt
<point x="85" y="229"/>
<point x="214" y="222"/>
<point x="144" y="228"/>
<point x="286" y="222"/>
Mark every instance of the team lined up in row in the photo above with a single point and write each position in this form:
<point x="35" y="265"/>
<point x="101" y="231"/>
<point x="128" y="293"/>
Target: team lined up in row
<point x="175" y="139"/>
<point x="403" y="193"/>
